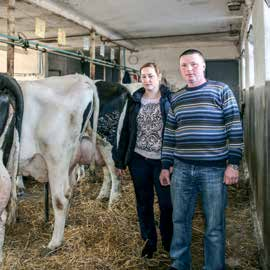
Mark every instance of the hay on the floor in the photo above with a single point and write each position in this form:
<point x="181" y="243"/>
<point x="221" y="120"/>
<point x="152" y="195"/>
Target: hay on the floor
<point x="97" y="238"/>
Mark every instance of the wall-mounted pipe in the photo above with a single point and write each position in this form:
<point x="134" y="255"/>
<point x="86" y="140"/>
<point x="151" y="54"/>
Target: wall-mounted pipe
<point x="102" y="39"/>
<point x="28" y="44"/>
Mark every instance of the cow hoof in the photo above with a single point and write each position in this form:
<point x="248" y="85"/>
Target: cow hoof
<point x="114" y="200"/>
<point x="92" y="180"/>
<point x="45" y="252"/>
<point x="20" y="193"/>
<point x="92" y="173"/>
<point x="103" y="199"/>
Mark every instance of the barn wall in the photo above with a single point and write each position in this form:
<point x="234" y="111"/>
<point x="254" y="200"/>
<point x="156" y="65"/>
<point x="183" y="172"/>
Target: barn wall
<point x="166" y="56"/>
<point x="257" y="121"/>
<point x="257" y="142"/>
<point x="27" y="63"/>
<point x="61" y="65"/>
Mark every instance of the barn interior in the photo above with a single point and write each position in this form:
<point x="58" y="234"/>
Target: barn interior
<point x="107" y="39"/>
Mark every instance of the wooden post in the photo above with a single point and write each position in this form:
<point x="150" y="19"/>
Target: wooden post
<point x="118" y="57"/>
<point x="92" y="54"/>
<point x="122" y="62"/>
<point x="11" y="32"/>
<point x="104" y="73"/>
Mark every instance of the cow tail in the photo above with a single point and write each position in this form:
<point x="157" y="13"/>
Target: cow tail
<point x="12" y="166"/>
<point x="120" y="123"/>
<point x="95" y="124"/>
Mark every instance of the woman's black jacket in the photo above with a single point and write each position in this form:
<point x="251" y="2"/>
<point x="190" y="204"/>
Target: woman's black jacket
<point x="123" y="154"/>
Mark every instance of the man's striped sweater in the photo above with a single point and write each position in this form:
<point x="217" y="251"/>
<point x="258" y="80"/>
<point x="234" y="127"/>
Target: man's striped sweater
<point x="203" y="127"/>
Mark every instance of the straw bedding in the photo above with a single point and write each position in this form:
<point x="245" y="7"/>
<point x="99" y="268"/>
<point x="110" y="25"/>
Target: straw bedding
<point x="97" y="238"/>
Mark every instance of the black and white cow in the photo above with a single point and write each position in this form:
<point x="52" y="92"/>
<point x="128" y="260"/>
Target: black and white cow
<point x="113" y="99"/>
<point x="11" y="112"/>
<point x="53" y="141"/>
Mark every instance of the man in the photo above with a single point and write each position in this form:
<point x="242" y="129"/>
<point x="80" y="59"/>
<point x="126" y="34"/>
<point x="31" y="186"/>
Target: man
<point x="202" y="146"/>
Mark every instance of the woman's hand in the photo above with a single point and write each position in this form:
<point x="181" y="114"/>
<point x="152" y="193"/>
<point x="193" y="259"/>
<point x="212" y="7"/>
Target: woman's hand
<point x="119" y="172"/>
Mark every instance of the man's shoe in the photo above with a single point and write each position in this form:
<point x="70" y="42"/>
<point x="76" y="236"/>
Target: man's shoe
<point x="148" y="249"/>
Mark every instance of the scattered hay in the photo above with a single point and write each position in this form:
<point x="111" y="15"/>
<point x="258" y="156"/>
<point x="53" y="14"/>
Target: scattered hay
<point x="97" y="238"/>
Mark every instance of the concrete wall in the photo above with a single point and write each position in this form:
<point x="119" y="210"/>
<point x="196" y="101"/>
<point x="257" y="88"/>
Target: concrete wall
<point x="166" y="56"/>
<point x="28" y="63"/>
<point x="257" y="121"/>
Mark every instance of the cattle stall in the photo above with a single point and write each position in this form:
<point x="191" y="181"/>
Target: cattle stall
<point x="255" y="109"/>
<point x="234" y="37"/>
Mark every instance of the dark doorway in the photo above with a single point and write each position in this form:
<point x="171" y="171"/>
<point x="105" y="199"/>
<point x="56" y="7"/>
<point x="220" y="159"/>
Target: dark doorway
<point x="226" y="71"/>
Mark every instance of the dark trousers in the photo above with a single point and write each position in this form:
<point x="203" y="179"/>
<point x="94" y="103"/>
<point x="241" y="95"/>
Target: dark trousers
<point x="145" y="175"/>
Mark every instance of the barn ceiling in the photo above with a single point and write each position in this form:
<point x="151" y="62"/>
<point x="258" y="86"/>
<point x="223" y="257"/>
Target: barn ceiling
<point x="128" y="22"/>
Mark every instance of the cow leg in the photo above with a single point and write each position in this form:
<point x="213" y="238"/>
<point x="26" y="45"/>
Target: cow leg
<point x="106" y="185"/>
<point x="20" y="185"/>
<point x="12" y="167"/>
<point x="111" y="183"/>
<point x="3" y="218"/>
<point x="80" y="173"/>
<point x="115" y="189"/>
<point x="5" y="190"/>
<point x="110" y="187"/>
<point x="60" y="193"/>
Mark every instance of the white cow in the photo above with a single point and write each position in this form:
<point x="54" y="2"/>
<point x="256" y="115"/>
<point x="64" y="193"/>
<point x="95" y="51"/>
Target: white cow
<point x="111" y="187"/>
<point x="54" y="109"/>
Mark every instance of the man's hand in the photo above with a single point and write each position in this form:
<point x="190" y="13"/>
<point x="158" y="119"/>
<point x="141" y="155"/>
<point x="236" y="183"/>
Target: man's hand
<point x="231" y="175"/>
<point x="164" y="177"/>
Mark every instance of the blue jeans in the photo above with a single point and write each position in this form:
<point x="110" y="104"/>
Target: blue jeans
<point x="145" y="175"/>
<point x="187" y="181"/>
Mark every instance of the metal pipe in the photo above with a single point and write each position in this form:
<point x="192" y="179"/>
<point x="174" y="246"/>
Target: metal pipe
<point x="24" y="43"/>
<point x="54" y="39"/>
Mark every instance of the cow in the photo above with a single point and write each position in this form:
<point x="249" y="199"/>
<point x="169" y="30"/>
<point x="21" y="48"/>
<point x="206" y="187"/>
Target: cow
<point x="11" y="111"/>
<point x="113" y="100"/>
<point x="56" y="113"/>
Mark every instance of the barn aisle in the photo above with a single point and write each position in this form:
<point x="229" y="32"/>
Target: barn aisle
<point x="100" y="239"/>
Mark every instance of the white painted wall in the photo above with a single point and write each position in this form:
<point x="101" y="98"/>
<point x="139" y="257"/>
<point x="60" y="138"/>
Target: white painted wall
<point x="266" y="14"/>
<point x="259" y="44"/>
<point x="166" y="56"/>
<point x="26" y="65"/>
<point x="257" y="57"/>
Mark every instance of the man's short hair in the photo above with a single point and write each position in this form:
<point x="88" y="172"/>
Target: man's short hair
<point x="192" y="51"/>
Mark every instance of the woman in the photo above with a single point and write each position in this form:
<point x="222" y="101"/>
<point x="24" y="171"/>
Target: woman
<point x="140" y="149"/>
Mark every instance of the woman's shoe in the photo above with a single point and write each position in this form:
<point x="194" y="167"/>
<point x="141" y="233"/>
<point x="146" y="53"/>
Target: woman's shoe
<point x="166" y="246"/>
<point x="148" y="249"/>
